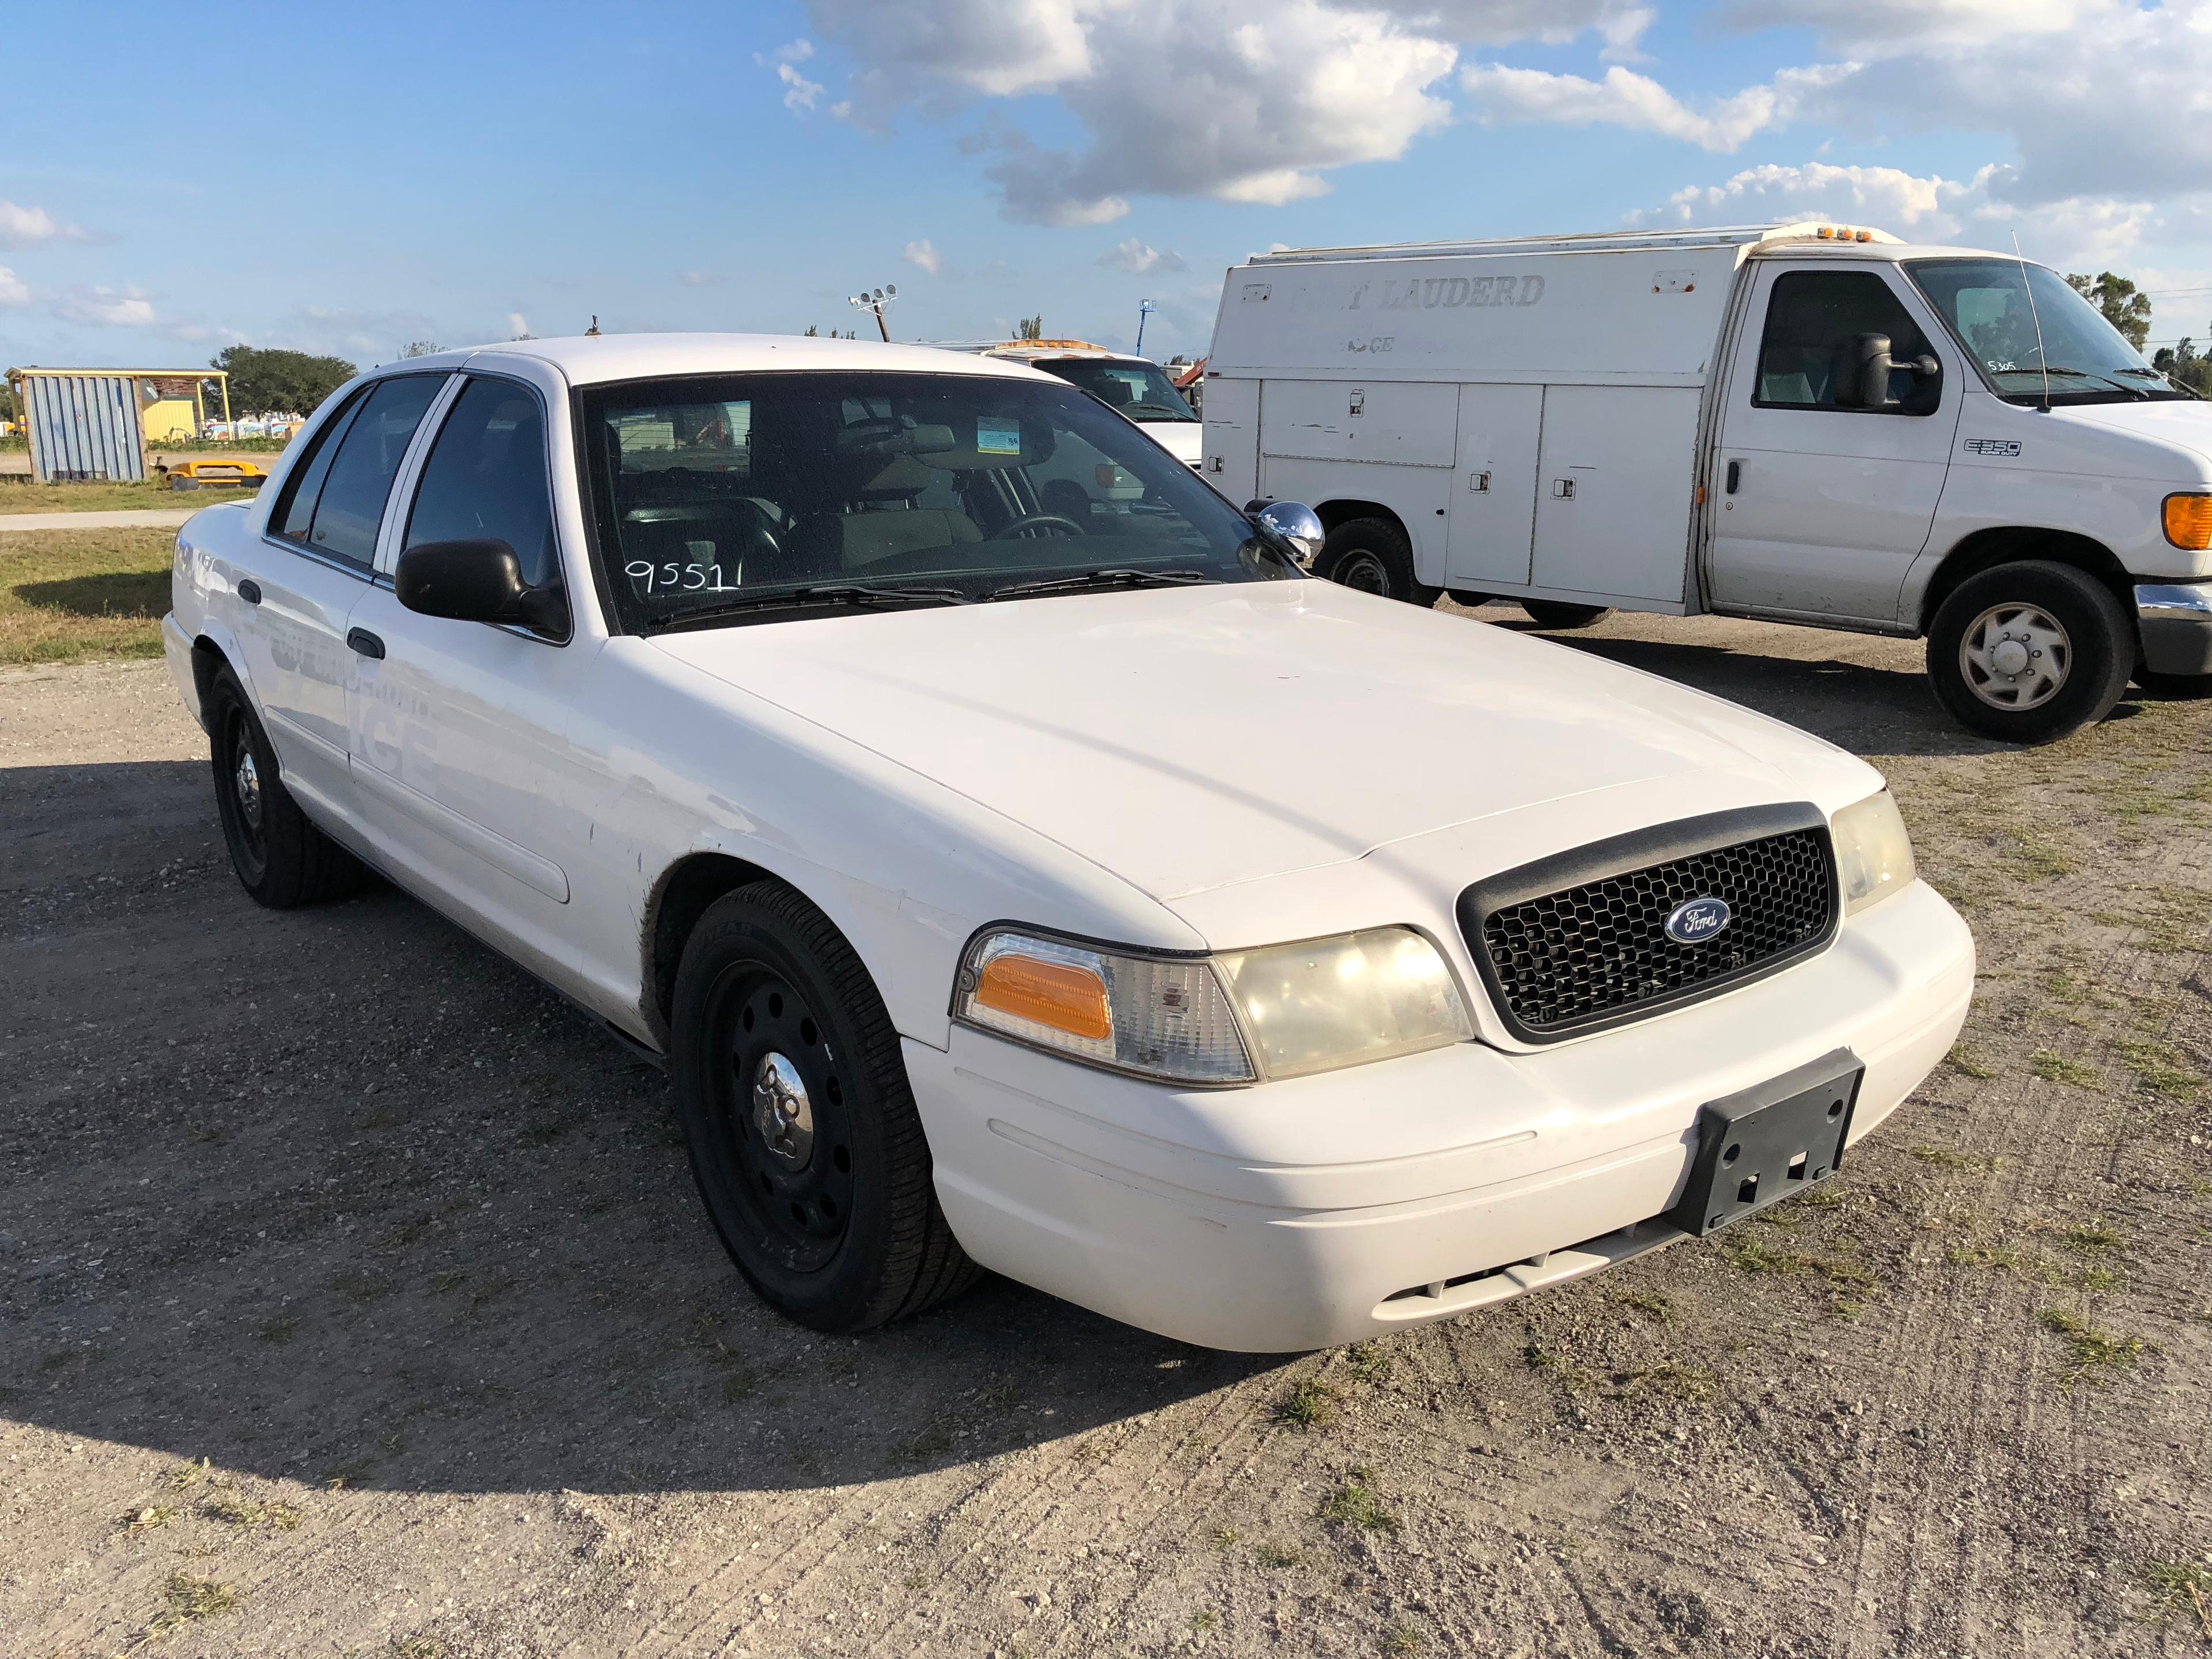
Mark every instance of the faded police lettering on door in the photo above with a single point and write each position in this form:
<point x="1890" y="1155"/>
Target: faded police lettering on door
<point x="1450" y="293"/>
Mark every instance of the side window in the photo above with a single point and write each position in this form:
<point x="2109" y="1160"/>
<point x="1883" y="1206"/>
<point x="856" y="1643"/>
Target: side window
<point x="295" y="511"/>
<point x="351" y="505"/>
<point x="486" y="479"/>
<point x="1813" y="319"/>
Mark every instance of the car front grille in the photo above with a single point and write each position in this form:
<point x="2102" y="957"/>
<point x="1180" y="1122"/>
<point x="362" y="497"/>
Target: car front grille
<point x="1579" y="942"/>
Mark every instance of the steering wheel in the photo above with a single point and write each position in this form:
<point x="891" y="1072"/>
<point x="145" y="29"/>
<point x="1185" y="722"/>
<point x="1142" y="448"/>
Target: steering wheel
<point x="1039" y="521"/>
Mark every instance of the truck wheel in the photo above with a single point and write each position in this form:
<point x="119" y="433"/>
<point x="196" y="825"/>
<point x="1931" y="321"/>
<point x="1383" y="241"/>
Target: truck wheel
<point x="282" y="859"/>
<point x="800" y="1123"/>
<point x="2027" y="652"/>
<point x="1557" y="613"/>
<point x="1472" y="601"/>
<point x="1371" y="555"/>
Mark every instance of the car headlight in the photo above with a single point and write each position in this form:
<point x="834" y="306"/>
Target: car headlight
<point x="1874" y="855"/>
<point x="1284" y="1010"/>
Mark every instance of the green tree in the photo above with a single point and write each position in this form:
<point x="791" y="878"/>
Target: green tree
<point x="2116" y="296"/>
<point x="1032" y="328"/>
<point x="2182" y="364"/>
<point x="267" y="378"/>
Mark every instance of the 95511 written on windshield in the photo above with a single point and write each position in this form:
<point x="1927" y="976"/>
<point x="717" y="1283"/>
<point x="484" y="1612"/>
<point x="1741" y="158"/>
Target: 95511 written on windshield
<point x="713" y="497"/>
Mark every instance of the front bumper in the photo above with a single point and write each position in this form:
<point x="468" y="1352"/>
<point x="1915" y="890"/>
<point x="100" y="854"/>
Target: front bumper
<point x="2176" y="621"/>
<point x="1298" y="1214"/>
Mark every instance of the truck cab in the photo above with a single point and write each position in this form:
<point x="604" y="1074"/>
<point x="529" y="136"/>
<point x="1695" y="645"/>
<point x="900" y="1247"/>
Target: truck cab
<point x="1811" y="423"/>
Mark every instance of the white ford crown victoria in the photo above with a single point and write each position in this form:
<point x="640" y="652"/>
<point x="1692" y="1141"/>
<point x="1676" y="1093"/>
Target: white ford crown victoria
<point x="1020" y="863"/>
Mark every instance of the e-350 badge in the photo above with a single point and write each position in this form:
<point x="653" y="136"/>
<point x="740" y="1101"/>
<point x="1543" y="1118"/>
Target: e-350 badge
<point x="2006" y="447"/>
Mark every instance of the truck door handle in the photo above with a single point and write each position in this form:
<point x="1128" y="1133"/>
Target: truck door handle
<point x="1734" y="475"/>
<point x="250" y="591"/>
<point x="1562" y="489"/>
<point x="365" y="642"/>
<point x="1479" y="482"/>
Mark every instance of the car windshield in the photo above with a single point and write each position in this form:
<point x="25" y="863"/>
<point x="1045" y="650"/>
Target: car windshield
<point x="1986" y="304"/>
<point x="746" y="498"/>
<point x="1135" y="388"/>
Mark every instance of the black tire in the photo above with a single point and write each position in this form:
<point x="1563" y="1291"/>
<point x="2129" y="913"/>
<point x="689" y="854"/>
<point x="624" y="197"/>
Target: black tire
<point x="283" y="860"/>
<point x="1472" y="601"/>
<point x="835" y="1222"/>
<point x="2063" y="619"/>
<point x="1557" y="613"/>
<point x="2175" y="688"/>
<point x="1373" y="555"/>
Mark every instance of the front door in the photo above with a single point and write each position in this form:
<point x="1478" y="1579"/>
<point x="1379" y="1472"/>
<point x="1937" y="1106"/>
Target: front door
<point x="458" y="727"/>
<point x="1823" y="506"/>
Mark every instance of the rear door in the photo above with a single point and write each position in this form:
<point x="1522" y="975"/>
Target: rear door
<point x="1823" y="509"/>
<point x="1616" y="473"/>
<point x="321" y="546"/>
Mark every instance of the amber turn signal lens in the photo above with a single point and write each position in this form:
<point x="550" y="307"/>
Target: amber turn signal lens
<point x="1054" y="994"/>
<point x="2188" y="521"/>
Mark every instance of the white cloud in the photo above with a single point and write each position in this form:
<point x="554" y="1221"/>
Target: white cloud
<point x="798" y="92"/>
<point x="28" y="226"/>
<point x="923" y="255"/>
<point x="13" y="290"/>
<point x="1626" y="99"/>
<point x="1234" y="100"/>
<point x="700" y="278"/>
<point x="106" y="307"/>
<point x="518" y="325"/>
<point x="1142" y="258"/>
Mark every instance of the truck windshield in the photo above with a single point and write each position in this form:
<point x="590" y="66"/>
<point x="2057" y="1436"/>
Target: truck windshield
<point x="756" y="497"/>
<point x="1135" y="388"/>
<point x="1985" y="303"/>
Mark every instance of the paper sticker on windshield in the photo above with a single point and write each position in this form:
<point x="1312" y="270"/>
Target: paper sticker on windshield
<point x="996" y="437"/>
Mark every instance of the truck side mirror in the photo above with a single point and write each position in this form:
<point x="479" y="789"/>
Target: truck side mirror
<point x="477" y="582"/>
<point x="1862" y="378"/>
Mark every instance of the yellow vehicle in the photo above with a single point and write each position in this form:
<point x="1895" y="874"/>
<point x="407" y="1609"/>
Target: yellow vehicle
<point x="214" y="475"/>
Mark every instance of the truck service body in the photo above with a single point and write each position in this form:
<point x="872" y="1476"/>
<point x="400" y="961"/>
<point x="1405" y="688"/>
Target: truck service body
<point x="1665" y="422"/>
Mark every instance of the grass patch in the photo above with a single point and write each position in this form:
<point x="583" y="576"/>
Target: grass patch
<point x="1946" y="1158"/>
<point x="1983" y="1256"/>
<point x="151" y="1518"/>
<point x="1753" y="1255"/>
<point x="1652" y="1305"/>
<point x="2093" y="1353"/>
<point x="1368" y="1362"/>
<point x="190" y="1597"/>
<point x="1276" y="1557"/>
<point x="1404" y="1638"/>
<point x="2033" y="857"/>
<point x="2182" y="1586"/>
<point x="118" y="497"/>
<point x="1355" y="1504"/>
<point x="77" y="595"/>
<point x="282" y="1328"/>
<point x="2054" y="1067"/>
<point x="2159" y="1067"/>
<point x="245" y="1512"/>
<point x="2094" y="1235"/>
<point x="1676" y="1381"/>
<point x="1966" y="1063"/>
<point x="1204" y="1622"/>
<point x="1311" y="1405"/>
<point x="932" y="1440"/>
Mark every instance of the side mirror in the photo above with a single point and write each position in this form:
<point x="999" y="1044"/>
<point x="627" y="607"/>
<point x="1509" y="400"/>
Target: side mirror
<point x="1291" y="526"/>
<point x="477" y="582"/>
<point x="1862" y="368"/>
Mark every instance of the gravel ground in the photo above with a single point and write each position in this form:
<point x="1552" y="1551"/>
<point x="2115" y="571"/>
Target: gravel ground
<point x="354" y="1300"/>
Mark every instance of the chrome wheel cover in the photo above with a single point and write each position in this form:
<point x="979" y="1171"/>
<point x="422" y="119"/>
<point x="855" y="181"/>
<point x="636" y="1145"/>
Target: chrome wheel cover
<point x="2015" y="657"/>
<point x="783" y="1116"/>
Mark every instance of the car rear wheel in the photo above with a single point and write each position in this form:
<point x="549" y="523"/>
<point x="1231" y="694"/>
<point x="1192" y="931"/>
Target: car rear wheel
<point x="2028" y="653"/>
<point x="283" y="860"/>
<point x="801" y="1126"/>
<point x="1373" y="555"/>
<point x="1557" y="613"/>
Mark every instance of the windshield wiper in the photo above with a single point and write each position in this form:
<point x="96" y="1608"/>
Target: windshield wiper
<point x="859" y="595"/>
<point x="2080" y="374"/>
<point x="1108" y="578"/>
<point x="1181" y="414"/>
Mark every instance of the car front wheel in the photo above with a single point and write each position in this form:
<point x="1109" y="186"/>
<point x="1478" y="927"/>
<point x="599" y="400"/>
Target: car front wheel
<point x="2028" y="653"/>
<point x="800" y="1124"/>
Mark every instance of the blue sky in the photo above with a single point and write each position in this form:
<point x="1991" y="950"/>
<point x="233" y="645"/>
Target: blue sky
<point x="352" y="181"/>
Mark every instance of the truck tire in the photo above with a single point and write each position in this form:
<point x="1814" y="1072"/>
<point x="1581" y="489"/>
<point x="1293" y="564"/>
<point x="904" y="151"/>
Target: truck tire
<point x="283" y="860"/>
<point x="1557" y="613"/>
<point x="1473" y="601"/>
<point x="804" y="1139"/>
<point x="1373" y="555"/>
<point x="2027" y="652"/>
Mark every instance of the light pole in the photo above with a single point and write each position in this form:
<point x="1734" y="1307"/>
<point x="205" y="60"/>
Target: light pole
<point x="1144" y="308"/>
<point x="874" y="303"/>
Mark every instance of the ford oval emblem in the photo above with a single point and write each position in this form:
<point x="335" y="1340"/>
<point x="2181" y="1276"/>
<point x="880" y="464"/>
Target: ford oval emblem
<point x="1695" y="920"/>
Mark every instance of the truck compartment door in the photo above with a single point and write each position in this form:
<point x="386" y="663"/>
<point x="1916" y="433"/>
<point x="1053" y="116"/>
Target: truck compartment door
<point x="1394" y="421"/>
<point x="1613" y="481"/>
<point x="1493" y="501"/>
<point x="1230" y="460"/>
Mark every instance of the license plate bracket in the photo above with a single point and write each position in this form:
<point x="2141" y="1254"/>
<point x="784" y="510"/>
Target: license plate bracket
<point x="1770" y="1142"/>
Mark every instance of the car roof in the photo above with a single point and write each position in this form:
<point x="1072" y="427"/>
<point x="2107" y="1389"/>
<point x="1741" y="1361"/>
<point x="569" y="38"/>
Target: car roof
<point x="588" y="359"/>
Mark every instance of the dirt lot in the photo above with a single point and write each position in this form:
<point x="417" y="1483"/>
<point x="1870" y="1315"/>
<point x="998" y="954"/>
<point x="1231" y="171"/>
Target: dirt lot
<point x="355" y="1301"/>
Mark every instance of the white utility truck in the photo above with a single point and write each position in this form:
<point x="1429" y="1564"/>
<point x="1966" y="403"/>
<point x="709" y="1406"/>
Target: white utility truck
<point x="1811" y="423"/>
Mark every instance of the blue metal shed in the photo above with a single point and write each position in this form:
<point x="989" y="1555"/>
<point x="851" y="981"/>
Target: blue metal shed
<point x="83" y="423"/>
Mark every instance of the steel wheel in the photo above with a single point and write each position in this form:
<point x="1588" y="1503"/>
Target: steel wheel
<point x="783" y="1119"/>
<point x="246" y="801"/>
<point x="2015" y="657"/>
<point x="1362" y="571"/>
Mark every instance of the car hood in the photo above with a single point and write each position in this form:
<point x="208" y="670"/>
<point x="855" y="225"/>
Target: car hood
<point x="1187" y="738"/>
<point x="1184" y="439"/>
